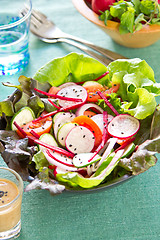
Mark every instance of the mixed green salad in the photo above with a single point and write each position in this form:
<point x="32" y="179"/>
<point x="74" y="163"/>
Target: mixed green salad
<point x="79" y="125"/>
<point x="132" y="15"/>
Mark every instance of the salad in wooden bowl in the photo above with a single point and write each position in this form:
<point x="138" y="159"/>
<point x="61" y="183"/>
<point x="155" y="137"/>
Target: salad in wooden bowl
<point x="134" y="24"/>
<point x="79" y="125"/>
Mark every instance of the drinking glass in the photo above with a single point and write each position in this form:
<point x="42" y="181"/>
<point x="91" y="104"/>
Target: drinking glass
<point x="14" y="35"/>
<point x="11" y="191"/>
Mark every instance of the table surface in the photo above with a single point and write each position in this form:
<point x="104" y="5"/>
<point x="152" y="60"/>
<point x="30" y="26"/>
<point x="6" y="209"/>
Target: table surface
<point x="130" y="211"/>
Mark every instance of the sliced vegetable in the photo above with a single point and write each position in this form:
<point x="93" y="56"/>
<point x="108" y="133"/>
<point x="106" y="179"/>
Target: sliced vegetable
<point x="108" y="103"/>
<point x="55" y="105"/>
<point x="53" y="90"/>
<point x="123" y="126"/>
<point x="67" y="84"/>
<point x="72" y="107"/>
<point x="23" y="116"/>
<point x="37" y="141"/>
<point x="59" y="170"/>
<point x="104" y="137"/>
<point x="88" y="106"/>
<point x="80" y="140"/>
<point x="62" y="119"/>
<point x="92" y="87"/>
<point x="58" y="96"/>
<point x="89" y="113"/>
<point x="63" y="132"/>
<point x="98" y="119"/>
<point x="91" y="125"/>
<point x="109" y="148"/>
<point x="40" y="127"/>
<point x="56" y="116"/>
<point x="125" y="144"/>
<point x="82" y="159"/>
<point x="128" y="150"/>
<point x="94" y="180"/>
<point x="59" y="161"/>
<point x="49" y="139"/>
<point x="74" y="92"/>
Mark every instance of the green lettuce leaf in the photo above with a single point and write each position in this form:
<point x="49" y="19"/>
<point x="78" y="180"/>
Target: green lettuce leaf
<point x="75" y="178"/>
<point x="73" y="67"/>
<point x="40" y="160"/>
<point x="155" y="129"/>
<point x="143" y="158"/>
<point x="137" y="86"/>
<point x="16" y="153"/>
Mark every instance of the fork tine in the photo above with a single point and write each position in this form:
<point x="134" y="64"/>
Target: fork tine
<point x="38" y="15"/>
<point x="35" y="22"/>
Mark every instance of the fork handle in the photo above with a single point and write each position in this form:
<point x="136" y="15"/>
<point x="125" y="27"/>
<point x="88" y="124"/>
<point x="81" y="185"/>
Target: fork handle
<point x="107" y="53"/>
<point x="95" y="55"/>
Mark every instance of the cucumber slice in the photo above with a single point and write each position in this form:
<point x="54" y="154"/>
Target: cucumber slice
<point x="49" y="139"/>
<point x="63" y="132"/>
<point x="128" y="150"/>
<point x="62" y="119"/>
<point x="56" y="116"/>
<point x="24" y="115"/>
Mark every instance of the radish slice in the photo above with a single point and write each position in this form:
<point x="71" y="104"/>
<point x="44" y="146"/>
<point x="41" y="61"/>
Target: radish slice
<point x="98" y="119"/>
<point x="82" y="159"/>
<point x="80" y="111"/>
<point x="115" y="159"/>
<point x="56" y="161"/>
<point x="111" y="143"/>
<point x="123" y="126"/>
<point x="73" y="91"/>
<point x="108" y="103"/>
<point x="67" y="84"/>
<point x="59" y="170"/>
<point x="80" y="140"/>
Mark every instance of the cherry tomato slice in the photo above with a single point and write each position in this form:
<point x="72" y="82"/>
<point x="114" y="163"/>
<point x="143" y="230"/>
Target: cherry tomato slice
<point x="89" y="113"/>
<point x="53" y="90"/>
<point x="92" y="91"/>
<point x="113" y="89"/>
<point x="40" y="127"/>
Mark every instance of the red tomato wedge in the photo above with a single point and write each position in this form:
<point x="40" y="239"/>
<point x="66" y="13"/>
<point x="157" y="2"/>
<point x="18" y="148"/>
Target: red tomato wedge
<point x="91" y="125"/>
<point x="89" y="113"/>
<point x="113" y="89"/>
<point x="40" y="127"/>
<point x="53" y="90"/>
<point x="92" y="90"/>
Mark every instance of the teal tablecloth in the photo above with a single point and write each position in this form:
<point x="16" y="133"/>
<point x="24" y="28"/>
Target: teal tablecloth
<point x="130" y="211"/>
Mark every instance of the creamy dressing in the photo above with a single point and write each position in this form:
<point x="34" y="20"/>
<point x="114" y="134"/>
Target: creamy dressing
<point x="10" y="214"/>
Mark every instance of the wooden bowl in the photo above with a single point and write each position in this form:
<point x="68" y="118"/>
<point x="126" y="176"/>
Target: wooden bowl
<point x="142" y="38"/>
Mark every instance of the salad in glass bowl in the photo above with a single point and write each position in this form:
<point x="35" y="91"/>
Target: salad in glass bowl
<point x="79" y="125"/>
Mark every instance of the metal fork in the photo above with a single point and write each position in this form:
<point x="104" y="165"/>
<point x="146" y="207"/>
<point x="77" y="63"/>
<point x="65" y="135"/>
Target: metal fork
<point x="48" y="32"/>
